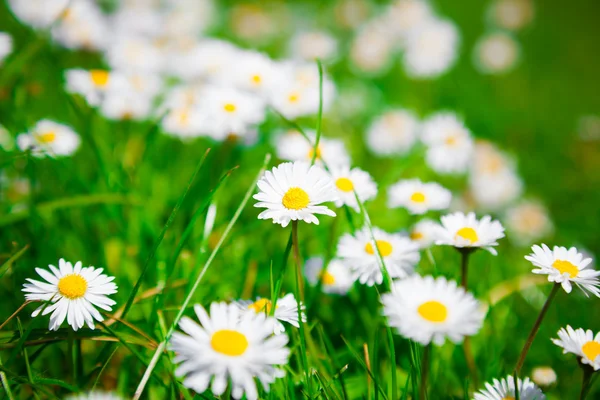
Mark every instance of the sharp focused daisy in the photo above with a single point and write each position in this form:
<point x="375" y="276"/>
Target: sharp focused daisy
<point x="347" y="181"/>
<point x="424" y="233"/>
<point x="295" y="191"/>
<point x="425" y="309"/>
<point x="336" y="278"/>
<point x="582" y="343"/>
<point x="565" y="267"/>
<point x="286" y="310"/>
<point x="466" y="231"/>
<point x="399" y="253"/>
<point x="449" y="143"/>
<point x="293" y="146"/>
<point x="418" y="197"/>
<point x="72" y="292"/>
<point x="49" y="138"/>
<point x="393" y="133"/>
<point x="229" y="345"/>
<point x="505" y="389"/>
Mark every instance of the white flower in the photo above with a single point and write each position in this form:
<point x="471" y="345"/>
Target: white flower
<point x="185" y="122"/>
<point x="496" y="53"/>
<point x="294" y="191"/>
<point x="250" y="71"/>
<point x="313" y="45"/>
<point x="371" y="49"/>
<point x="229" y="345"/>
<point x="425" y="309"/>
<point x="582" y="343"/>
<point x="399" y="254"/>
<point x="393" y="133"/>
<point x="82" y="25"/>
<point x="48" y="138"/>
<point x="230" y="112"/>
<point x="424" y="233"/>
<point x="188" y="18"/>
<point x="347" y="181"/>
<point x="134" y="53"/>
<point x="126" y="105"/>
<point x="418" y="197"/>
<point x="404" y="16"/>
<point x="449" y="143"/>
<point x="543" y="376"/>
<point x="93" y="84"/>
<point x="6" y="46"/>
<point x="38" y="13"/>
<point x="527" y="222"/>
<point x="293" y="146"/>
<point x="505" y="389"/>
<point x="511" y="14"/>
<point x="72" y="293"/>
<point x="565" y="266"/>
<point x="431" y="49"/>
<point x="337" y="278"/>
<point x="286" y="310"/>
<point x="493" y="192"/>
<point x="205" y="59"/>
<point x="94" y="396"/>
<point x="466" y="231"/>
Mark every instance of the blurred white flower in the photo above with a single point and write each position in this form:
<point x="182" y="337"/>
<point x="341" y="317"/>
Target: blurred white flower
<point x="255" y="23"/>
<point x="431" y="49"/>
<point x="418" y="197"/>
<point x="496" y="53"/>
<point x="543" y="376"/>
<point x="82" y="25"/>
<point x="336" y="279"/>
<point x="449" y="143"/>
<point x="424" y="233"/>
<point x="93" y="84"/>
<point x="511" y="14"/>
<point x="589" y="127"/>
<point x="371" y="50"/>
<point x="134" y="53"/>
<point x="188" y="18"/>
<point x="95" y="395"/>
<point x="126" y="105"/>
<point x="38" y="13"/>
<point x="6" y="46"/>
<point x="293" y="146"/>
<point x="207" y="58"/>
<point x="348" y="181"/>
<point x="393" y="133"/>
<point x="185" y="122"/>
<point x="286" y="310"/>
<point x="251" y="71"/>
<point x="351" y="13"/>
<point x="404" y="16"/>
<point x="313" y="45"/>
<point x="49" y="138"/>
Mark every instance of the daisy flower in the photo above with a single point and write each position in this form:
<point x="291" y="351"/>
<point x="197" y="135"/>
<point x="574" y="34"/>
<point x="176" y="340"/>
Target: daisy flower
<point x="496" y="53"/>
<point x="347" y="181"/>
<point x="93" y="84"/>
<point x="6" y="46"/>
<point x="295" y="191"/>
<point x="73" y="293"/>
<point x="404" y="16"/>
<point x="565" y="267"/>
<point x="543" y="376"/>
<point x="314" y="45"/>
<point x="372" y="48"/>
<point x="49" y="138"/>
<point x="449" y="143"/>
<point x="286" y="310"/>
<point x="336" y="279"/>
<point x="293" y="146"/>
<point x="393" y="133"/>
<point x="207" y="58"/>
<point x="250" y="71"/>
<point x="229" y="345"/>
<point x="466" y="231"/>
<point x="126" y="105"/>
<point x="399" y="253"/>
<point x="94" y="396"/>
<point x="424" y="233"/>
<point x="425" y="309"/>
<point x="505" y="389"/>
<point x="135" y="53"/>
<point x="418" y="197"/>
<point x="528" y="221"/>
<point x="184" y="122"/>
<point x="38" y="14"/>
<point x="82" y="25"/>
<point x="582" y="343"/>
<point x="512" y="14"/>
<point x="494" y="192"/>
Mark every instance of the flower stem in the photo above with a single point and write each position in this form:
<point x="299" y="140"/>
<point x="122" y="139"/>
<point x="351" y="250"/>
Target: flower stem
<point x="464" y="266"/>
<point x="297" y="259"/>
<point x="586" y="383"/>
<point x="425" y="372"/>
<point x="535" y="329"/>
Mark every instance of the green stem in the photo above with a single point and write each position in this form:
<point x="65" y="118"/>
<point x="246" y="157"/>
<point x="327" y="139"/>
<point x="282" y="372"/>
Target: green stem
<point x="586" y="383"/>
<point x="297" y="259"/>
<point x="425" y="372"/>
<point x="464" y="264"/>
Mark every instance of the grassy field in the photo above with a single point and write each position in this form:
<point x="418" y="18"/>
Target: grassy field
<point x="133" y="201"/>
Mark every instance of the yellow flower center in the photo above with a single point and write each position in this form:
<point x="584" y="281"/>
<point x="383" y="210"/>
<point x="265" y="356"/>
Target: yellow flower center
<point x="433" y="311"/>
<point x="229" y="107"/>
<point x="311" y="153"/>
<point x="451" y="140"/>
<point x="99" y="77"/>
<point x="565" y="266"/>
<point x="591" y="350"/>
<point x="72" y="286"/>
<point x="417" y="197"/>
<point x="385" y="248"/>
<point x="467" y="233"/>
<point x="416" y="235"/>
<point x="228" y="342"/>
<point x="262" y="305"/>
<point x="46" y="137"/>
<point x="256" y="79"/>
<point x="344" y="184"/>
<point x="184" y="117"/>
<point x="327" y="278"/>
<point x="508" y="398"/>
<point x="295" y="199"/>
<point x="293" y="97"/>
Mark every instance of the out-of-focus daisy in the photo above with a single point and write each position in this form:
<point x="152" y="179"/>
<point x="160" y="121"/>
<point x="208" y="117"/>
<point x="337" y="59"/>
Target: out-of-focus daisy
<point x="372" y="49"/>
<point x="428" y="310"/>
<point x="250" y="71"/>
<point x="82" y="25"/>
<point x="337" y="278"/>
<point x="418" y="197"/>
<point x="229" y="345"/>
<point x="314" y="45"/>
<point x="135" y="53"/>
<point x="347" y="181"/>
<point x="72" y="292"/>
<point x="351" y="13"/>
<point x="205" y="59"/>
<point x="286" y="310"/>
<point x="512" y="14"/>
<point x="527" y="222"/>
<point x="431" y="49"/>
<point x="424" y="233"/>
<point x="254" y="22"/>
<point x="188" y="18"/>
<point x="126" y="105"/>
<point x="184" y="122"/>
<point x="393" y="133"/>
<point x="494" y="192"/>
<point x="467" y="232"/>
<point x="496" y="53"/>
<point x="293" y="146"/>
<point x="404" y="16"/>
<point x="565" y="267"/>
<point x="38" y="13"/>
<point x="6" y="46"/>
<point x="588" y="128"/>
<point x="49" y="138"/>
<point x="230" y="112"/>
<point x="399" y="254"/>
<point x="295" y="191"/>
<point x="94" y="396"/>
<point x="505" y="389"/>
<point x="93" y="84"/>
<point x="582" y="343"/>
<point x="543" y="376"/>
<point x="449" y="143"/>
